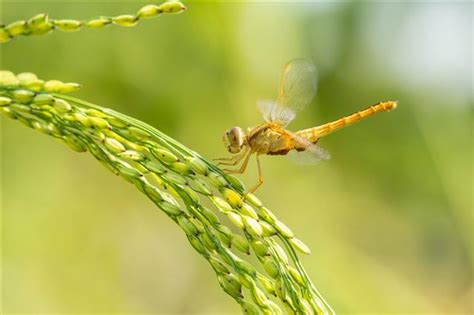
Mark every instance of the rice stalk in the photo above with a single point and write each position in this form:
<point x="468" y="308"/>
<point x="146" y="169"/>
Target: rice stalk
<point x="42" y="24"/>
<point x="207" y="204"/>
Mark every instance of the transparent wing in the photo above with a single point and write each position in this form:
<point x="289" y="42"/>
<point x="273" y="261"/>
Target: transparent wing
<point x="312" y="154"/>
<point x="269" y="109"/>
<point x="297" y="89"/>
<point x="266" y="107"/>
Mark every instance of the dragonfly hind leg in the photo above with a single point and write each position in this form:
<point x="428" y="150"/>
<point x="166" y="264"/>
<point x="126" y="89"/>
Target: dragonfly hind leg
<point x="260" y="177"/>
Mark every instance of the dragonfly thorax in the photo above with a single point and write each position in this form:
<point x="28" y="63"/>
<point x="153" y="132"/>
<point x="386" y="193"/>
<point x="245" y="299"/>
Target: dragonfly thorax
<point x="234" y="139"/>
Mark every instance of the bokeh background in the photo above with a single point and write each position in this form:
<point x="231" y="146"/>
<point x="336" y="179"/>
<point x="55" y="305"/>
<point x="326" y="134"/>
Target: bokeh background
<point x="389" y="218"/>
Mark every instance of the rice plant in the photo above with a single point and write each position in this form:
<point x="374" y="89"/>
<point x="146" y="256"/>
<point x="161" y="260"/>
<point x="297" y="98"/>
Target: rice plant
<point x="224" y="225"/>
<point x="42" y="24"/>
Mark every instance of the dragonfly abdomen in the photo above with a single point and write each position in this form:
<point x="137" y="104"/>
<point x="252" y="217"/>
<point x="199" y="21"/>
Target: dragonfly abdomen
<point x="313" y="134"/>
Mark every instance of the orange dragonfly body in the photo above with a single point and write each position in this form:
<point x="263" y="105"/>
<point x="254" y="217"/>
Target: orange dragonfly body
<point x="297" y="89"/>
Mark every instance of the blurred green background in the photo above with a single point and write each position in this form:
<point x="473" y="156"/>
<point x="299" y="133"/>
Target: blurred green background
<point x="389" y="217"/>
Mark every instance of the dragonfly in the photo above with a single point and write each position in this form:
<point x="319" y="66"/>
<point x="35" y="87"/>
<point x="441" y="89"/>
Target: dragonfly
<point x="297" y="89"/>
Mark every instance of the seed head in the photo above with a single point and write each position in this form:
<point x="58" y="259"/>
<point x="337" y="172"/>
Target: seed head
<point x="4" y="101"/>
<point x="179" y="182"/>
<point x="125" y="20"/>
<point x="68" y="25"/>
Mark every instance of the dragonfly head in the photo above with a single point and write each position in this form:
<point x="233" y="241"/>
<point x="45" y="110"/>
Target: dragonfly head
<point x="234" y="139"/>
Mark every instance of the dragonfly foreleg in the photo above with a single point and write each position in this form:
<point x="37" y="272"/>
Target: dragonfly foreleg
<point x="225" y="159"/>
<point x="260" y="177"/>
<point x="232" y="160"/>
<point x="243" y="167"/>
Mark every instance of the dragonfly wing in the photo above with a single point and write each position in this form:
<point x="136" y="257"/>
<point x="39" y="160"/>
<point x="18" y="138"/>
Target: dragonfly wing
<point x="283" y="115"/>
<point x="271" y="111"/>
<point x="266" y="107"/>
<point x="319" y="152"/>
<point x="297" y="89"/>
<point x="312" y="154"/>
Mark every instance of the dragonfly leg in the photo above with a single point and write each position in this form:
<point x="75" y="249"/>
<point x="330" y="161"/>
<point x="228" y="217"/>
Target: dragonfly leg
<point x="225" y="159"/>
<point x="232" y="160"/>
<point x="243" y="167"/>
<point x="260" y="177"/>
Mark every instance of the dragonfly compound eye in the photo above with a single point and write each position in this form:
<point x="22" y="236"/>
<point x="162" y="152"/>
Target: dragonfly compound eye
<point x="234" y="139"/>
